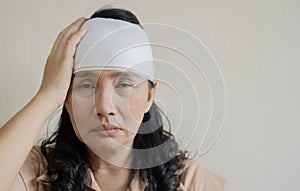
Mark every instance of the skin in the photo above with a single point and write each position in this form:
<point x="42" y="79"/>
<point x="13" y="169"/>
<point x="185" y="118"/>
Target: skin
<point x="99" y="98"/>
<point x="51" y="94"/>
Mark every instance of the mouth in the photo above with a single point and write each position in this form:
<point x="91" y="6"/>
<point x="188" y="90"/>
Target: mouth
<point x="111" y="130"/>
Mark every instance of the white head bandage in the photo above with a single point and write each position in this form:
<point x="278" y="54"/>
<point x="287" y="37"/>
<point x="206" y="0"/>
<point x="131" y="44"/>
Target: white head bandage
<point x="111" y="44"/>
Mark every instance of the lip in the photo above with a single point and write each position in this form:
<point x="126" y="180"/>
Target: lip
<point x="110" y="129"/>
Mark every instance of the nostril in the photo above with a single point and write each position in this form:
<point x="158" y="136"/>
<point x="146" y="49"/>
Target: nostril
<point x="103" y="115"/>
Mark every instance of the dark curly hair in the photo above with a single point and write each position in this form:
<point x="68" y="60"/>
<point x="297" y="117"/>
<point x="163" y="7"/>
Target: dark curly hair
<point x="68" y="162"/>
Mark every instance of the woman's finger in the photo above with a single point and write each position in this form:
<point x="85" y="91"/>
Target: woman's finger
<point x="71" y="44"/>
<point x="71" y="29"/>
<point x="59" y="66"/>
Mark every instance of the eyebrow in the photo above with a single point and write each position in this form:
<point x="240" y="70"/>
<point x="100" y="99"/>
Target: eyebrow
<point x="122" y="74"/>
<point x="97" y="74"/>
<point x="86" y="74"/>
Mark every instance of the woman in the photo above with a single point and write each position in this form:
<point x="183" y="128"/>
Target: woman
<point x="110" y="135"/>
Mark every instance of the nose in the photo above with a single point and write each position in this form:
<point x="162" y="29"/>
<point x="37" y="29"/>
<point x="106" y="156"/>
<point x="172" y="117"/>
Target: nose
<point x="104" y="102"/>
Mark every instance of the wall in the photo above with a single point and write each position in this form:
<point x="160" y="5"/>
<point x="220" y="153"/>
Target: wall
<point x="256" y="44"/>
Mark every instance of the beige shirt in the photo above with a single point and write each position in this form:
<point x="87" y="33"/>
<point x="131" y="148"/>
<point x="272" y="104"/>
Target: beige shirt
<point x="32" y="177"/>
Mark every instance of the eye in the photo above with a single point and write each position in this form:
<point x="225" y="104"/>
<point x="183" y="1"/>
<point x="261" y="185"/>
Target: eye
<point x="123" y="88"/>
<point x="87" y="85"/>
<point x="85" y="88"/>
<point x="124" y="85"/>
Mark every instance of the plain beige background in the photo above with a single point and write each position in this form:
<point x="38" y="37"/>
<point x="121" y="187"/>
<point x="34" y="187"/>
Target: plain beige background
<point x="256" y="43"/>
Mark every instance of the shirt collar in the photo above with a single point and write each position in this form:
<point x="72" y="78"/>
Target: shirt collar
<point x="136" y="184"/>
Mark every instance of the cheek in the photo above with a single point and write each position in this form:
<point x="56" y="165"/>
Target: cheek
<point x="80" y="111"/>
<point x="70" y="111"/>
<point x="137" y="103"/>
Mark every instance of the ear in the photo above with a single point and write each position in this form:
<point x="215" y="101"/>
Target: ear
<point x="151" y="96"/>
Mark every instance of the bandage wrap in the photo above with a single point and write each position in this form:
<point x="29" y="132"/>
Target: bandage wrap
<point x="111" y="44"/>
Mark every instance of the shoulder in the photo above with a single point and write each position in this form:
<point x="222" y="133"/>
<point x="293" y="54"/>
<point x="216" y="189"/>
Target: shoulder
<point x="35" y="162"/>
<point x="195" y="177"/>
<point x="34" y="166"/>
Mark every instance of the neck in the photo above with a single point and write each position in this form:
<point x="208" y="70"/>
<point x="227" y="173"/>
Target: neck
<point x="110" y="174"/>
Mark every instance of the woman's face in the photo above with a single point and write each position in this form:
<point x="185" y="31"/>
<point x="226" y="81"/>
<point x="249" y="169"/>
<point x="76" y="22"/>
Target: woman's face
<point x="107" y="107"/>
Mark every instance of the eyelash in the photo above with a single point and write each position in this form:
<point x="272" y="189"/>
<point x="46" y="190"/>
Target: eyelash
<point x="124" y="85"/>
<point x="120" y="85"/>
<point x="87" y="85"/>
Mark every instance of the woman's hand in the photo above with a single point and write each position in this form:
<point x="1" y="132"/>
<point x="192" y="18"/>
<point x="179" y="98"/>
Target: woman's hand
<point x="18" y="135"/>
<point x="59" y="65"/>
